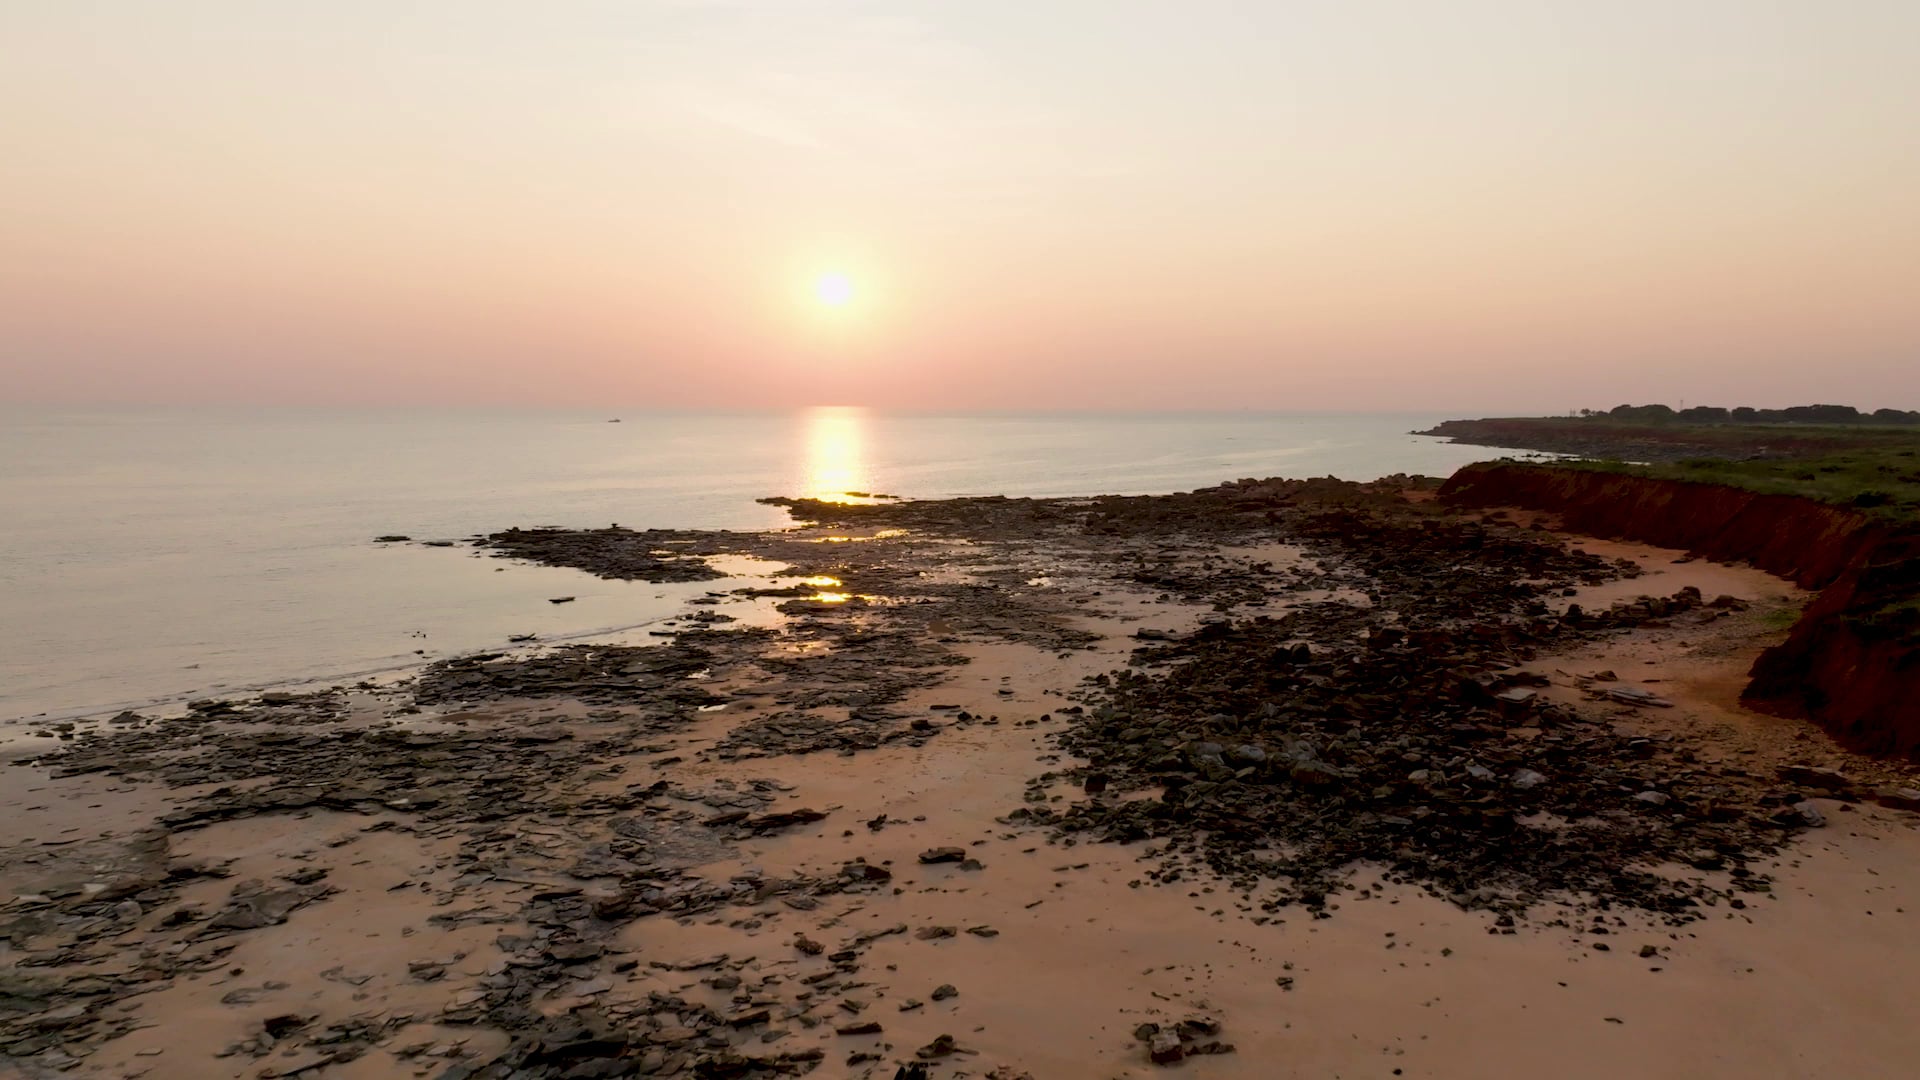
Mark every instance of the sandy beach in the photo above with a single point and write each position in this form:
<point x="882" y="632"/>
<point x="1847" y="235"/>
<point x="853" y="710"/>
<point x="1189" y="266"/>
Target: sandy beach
<point x="884" y="800"/>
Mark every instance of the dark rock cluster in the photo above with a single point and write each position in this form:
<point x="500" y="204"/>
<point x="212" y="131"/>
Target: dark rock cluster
<point x="612" y="552"/>
<point x="600" y="674"/>
<point x="1406" y="734"/>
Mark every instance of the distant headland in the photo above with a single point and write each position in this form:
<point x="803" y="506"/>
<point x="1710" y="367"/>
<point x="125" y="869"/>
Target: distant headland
<point x="1661" y="433"/>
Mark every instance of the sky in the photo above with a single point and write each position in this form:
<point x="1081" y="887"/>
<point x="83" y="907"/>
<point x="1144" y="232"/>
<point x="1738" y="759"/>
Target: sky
<point x="1474" y="206"/>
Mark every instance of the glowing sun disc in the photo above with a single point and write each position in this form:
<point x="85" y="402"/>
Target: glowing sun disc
<point x="833" y="290"/>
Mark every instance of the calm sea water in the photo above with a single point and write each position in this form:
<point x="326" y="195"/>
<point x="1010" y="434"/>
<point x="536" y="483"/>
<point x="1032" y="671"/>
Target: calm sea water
<point x="154" y="555"/>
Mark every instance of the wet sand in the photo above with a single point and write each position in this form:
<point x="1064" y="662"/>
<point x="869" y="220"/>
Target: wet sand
<point x="1056" y="951"/>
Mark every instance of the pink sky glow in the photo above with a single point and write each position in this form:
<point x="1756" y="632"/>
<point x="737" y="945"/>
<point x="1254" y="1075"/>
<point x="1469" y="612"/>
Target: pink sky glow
<point x="1478" y="206"/>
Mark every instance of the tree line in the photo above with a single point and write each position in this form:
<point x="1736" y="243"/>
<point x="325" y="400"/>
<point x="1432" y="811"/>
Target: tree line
<point x="1794" y="414"/>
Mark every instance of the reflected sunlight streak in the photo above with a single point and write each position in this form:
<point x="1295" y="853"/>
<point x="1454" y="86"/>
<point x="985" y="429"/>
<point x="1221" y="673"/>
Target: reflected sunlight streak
<point x="836" y="453"/>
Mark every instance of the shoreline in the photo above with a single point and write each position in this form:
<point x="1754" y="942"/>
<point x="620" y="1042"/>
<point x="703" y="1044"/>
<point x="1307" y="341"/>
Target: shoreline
<point x="534" y="861"/>
<point x="125" y="592"/>
<point x="14" y="729"/>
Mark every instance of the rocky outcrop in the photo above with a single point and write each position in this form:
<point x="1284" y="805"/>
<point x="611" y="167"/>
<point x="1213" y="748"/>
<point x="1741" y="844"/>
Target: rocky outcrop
<point x="1852" y="662"/>
<point x="1808" y="542"/>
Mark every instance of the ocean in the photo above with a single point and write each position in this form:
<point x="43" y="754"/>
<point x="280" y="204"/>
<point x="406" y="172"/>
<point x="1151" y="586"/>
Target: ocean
<point x="149" y="556"/>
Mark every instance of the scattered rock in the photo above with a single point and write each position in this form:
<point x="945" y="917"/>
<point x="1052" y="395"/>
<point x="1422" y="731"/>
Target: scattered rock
<point x="1163" y="1048"/>
<point x="1815" y="776"/>
<point x="864" y="1027"/>
<point x="1900" y="798"/>
<point x="1633" y="696"/>
<point x="1801" y="815"/>
<point x="940" y="1047"/>
<point x="253" y="905"/>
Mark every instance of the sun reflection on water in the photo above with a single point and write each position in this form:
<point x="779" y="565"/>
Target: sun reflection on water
<point x="878" y="534"/>
<point x="836" y="454"/>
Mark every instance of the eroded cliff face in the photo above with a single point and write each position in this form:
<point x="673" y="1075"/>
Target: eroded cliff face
<point x="1852" y="662"/>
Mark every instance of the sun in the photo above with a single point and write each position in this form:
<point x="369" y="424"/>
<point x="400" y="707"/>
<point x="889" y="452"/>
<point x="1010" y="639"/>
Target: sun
<point x="833" y="289"/>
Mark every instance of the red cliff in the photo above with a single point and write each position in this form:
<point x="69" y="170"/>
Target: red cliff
<point x="1852" y="662"/>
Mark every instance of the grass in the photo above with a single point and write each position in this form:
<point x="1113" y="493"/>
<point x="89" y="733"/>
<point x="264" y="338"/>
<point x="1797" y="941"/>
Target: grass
<point x="1758" y="452"/>
<point x="1780" y="618"/>
<point x="1883" y="481"/>
<point x="1900" y="618"/>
